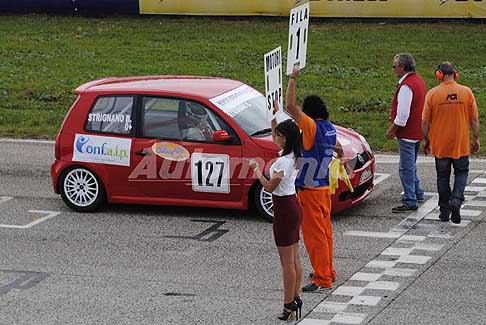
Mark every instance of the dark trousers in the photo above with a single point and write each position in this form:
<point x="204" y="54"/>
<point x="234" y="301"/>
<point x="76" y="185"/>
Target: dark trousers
<point x="461" y="170"/>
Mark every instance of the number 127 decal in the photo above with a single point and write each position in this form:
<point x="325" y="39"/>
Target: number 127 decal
<point x="210" y="173"/>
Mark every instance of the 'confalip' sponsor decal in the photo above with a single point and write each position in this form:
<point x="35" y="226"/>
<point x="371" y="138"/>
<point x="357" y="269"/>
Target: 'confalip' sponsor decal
<point x="102" y="150"/>
<point x="170" y="151"/>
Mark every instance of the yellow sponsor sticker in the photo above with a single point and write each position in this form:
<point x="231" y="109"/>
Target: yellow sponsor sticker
<point x="170" y="151"/>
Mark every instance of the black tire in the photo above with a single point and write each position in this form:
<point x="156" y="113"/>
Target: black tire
<point x="263" y="202"/>
<point x="81" y="189"/>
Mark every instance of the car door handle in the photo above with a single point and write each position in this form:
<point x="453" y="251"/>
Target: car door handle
<point x="142" y="153"/>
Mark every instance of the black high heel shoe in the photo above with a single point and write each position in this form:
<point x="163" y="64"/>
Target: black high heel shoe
<point x="289" y="311"/>
<point x="299" y="303"/>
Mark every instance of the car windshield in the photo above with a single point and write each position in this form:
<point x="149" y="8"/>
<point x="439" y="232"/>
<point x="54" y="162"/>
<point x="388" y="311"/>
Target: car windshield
<point x="247" y="107"/>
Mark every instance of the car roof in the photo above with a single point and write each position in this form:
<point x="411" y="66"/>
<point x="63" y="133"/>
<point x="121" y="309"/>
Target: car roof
<point x="206" y="87"/>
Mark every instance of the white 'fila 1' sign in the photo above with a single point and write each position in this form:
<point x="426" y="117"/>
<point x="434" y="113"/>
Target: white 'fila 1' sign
<point x="273" y="79"/>
<point x="298" y="28"/>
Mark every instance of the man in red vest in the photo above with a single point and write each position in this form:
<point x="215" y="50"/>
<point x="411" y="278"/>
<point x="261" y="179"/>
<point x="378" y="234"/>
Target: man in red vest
<point x="406" y="123"/>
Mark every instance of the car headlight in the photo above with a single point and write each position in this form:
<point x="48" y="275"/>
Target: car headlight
<point x="365" y="143"/>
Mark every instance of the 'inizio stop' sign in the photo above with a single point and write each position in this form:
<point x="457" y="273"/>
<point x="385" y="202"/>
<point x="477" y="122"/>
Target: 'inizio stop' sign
<point x="273" y="79"/>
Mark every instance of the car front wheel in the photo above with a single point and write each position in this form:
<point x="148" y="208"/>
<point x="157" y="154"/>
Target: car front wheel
<point x="81" y="189"/>
<point x="263" y="202"/>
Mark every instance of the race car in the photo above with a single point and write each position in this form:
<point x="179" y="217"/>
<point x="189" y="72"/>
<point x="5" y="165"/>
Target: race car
<point x="179" y="140"/>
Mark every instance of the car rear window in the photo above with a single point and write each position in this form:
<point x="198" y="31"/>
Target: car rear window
<point x="111" y="114"/>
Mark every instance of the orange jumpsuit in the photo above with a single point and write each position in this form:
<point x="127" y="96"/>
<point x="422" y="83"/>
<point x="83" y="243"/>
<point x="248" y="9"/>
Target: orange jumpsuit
<point x="316" y="224"/>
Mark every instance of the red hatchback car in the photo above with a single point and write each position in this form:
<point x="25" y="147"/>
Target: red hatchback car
<point x="178" y="140"/>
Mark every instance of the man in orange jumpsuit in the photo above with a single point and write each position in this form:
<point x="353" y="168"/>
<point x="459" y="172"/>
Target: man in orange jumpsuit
<point x="450" y="110"/>
<point x="319" y="143"/>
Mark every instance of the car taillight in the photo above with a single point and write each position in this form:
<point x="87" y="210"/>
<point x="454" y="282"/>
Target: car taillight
<point x="57" y="149"/>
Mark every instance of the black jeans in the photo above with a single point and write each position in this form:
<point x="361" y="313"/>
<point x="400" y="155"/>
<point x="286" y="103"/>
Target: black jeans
<point x="461" y="170"/>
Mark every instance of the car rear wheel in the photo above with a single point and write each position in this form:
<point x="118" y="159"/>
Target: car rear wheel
<point x="263" y="202"/>
<point x="81" y="189"/>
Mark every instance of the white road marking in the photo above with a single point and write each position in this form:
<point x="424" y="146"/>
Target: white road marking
<point x="349" y="318"/>
<point x="373" y="234"/>
<point x="479" y="180"/>
<point x="428" y="247"/>
<point x="400" y="272"/>
<point x="310" y="321"/>
<point x="393" y="159"/>
<point x="481" y="194"/>
<point x="413" y="259"/>
<point x="397" y="251"/>
<point x="474" y="188"/>
<point x="348" y="291"/>
<point x="383" y="285"/>
<point x="412" y="238"/>
<point x="475" y="203"/>
<point x="365" y="300"/>
<point x="440" y="234"/>
<point x="27" y="141"/>
<point x="50" y="214"/>
<point x="377" y="264"/>
<point x="362" y="276"/>
<point x="331" y="307"/>
<point x="4" y="199"/>
<point x="380" y="178"/>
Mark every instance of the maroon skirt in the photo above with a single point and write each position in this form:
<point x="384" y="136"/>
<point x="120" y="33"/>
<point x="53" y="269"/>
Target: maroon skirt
<point x="287" y="218"/>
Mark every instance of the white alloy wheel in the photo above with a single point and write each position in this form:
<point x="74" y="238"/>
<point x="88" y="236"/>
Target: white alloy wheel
<point x="264" y="203"/>
<point x="81" y="188"/>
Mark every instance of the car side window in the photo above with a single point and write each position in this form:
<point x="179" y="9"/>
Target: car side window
<point x="159" y="116"/>
<point x="111" y="114"/>
<point x="178" y="119"/>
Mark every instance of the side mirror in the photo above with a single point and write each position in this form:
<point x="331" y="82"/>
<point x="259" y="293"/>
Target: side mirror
<point x="221" y="136"/>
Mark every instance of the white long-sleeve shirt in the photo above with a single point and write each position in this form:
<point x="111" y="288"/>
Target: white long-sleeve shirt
<point x="405" y="96"/>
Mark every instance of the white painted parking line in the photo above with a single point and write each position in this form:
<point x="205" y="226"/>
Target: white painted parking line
<point x="4" y="199"/>
<point x="365" y="300"/>
<point x="383" y="285"/>
<point x="479" y="181"/>
<point x="380" y="178"/>
<point x="348" y="291"/>
<point x="349" y="318"/>
<point x="49" y="215"/>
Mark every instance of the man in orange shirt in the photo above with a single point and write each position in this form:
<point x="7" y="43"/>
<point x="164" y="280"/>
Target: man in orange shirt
<point x="450" y="110"/>
<point x="319" y="143"/>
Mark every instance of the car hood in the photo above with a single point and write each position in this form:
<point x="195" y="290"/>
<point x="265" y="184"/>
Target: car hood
<point x="349" y="139"/>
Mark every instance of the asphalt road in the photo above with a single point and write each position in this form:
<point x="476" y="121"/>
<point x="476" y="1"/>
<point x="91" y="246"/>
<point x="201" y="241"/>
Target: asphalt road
<point x="166" y="265"/>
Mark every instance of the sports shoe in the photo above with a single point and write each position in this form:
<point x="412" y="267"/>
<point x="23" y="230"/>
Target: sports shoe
<point x="312" y="287"/>
<point x="421" y="200"/>
<point x="455" y="214"/>
<point x="404" y="208"/>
